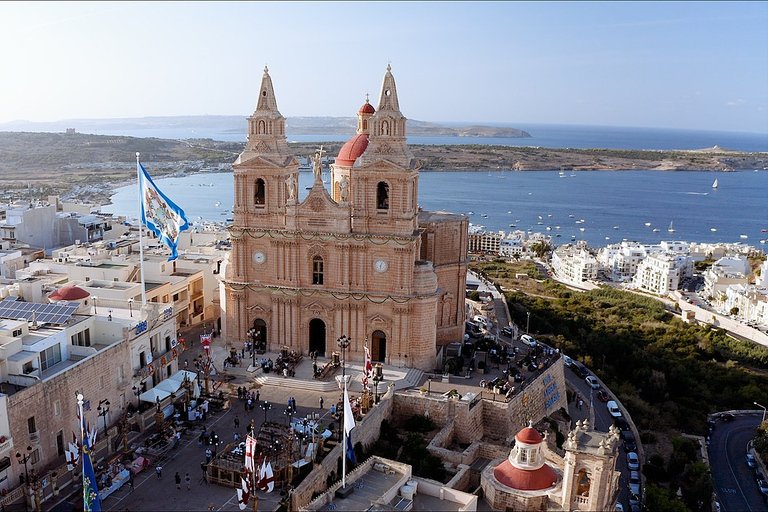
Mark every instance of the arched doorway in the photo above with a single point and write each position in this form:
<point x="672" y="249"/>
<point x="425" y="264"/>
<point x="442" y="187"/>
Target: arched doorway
<point x="260" y="341"/>
<point x="378" y="346"/>
<point x="317" y="336"/>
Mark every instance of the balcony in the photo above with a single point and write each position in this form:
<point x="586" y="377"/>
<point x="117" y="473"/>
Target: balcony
<point x="34" y="437"/>
<point x="6" y="443"/>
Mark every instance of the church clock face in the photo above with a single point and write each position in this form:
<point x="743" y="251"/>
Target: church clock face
<point x="259" y="257"/>
<point x="380" y="265"/>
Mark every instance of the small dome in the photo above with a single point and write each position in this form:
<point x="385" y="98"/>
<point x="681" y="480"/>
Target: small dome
<point x="367" y="108"/>
<point x="525" y="479"/>
<point x="529" y="435"/>
<point x="352" y="149"/>
<point x="69" y="293"/>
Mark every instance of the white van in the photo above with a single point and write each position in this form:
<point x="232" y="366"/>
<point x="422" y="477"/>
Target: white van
<point x="481" y="320"/>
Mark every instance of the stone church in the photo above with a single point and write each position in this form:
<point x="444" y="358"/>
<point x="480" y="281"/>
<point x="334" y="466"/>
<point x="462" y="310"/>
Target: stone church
<point x="361" y="260"/>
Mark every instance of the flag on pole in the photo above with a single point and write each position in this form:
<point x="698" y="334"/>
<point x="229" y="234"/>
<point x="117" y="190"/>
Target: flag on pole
<point x="269" y="478"/>
<point x="243" y="493"/>
<point x="91" y="501"/>
<point x="250" y="449"/>
<point x="205" y="340"/>
<point x="262" y="479"/>
<point x="160" y="214"/>
<point x="349" y="424"/>
<point x="368" y="369"/>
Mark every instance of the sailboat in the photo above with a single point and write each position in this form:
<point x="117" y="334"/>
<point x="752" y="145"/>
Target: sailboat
<point x="714" y="185"/>
<point x="671" y="229"/>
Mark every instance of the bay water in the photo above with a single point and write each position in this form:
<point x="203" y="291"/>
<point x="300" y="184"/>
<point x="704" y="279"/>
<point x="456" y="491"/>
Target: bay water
<point x="601" y="207"/>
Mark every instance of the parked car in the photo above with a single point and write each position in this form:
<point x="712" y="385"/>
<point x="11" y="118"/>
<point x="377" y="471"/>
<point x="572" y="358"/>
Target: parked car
<point x="763" y="485"/>
<point x="622" y="423"/>
<point x="751" y="460"/>
<point x="528" y="340"/>
<point x="634" y="482"/>
<point x="727" y="416"/>
<point x="592" y="382"/>
<point x="567" y="361"/>
<point x="579" y="369"/>
<point x="633" y="462"/>
<point x="602" y="395"/>
<point x="613" y="408"/>
<point x="629" y="441"/>
<point x="506" y="331"/>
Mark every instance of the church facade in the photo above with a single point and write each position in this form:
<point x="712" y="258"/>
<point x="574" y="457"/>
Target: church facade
<point x="360" y="260"/>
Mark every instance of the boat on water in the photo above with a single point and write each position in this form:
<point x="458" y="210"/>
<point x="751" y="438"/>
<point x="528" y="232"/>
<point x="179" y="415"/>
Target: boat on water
<point x="582" y="229"/>
<point x="671" y="229"/>
<point x="656" y="230"/>
<point x="615" y="227"/>
<point x="647" y="223"/>
<point x="714" y="185"/>
<point x="713" y="229"/>
<point x="743" y="236"/>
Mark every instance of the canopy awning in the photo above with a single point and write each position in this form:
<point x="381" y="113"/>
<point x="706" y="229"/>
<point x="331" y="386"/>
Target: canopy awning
<point x="179" y="375"/>
<point x="169" y="385"/>
<point x="153" y="394"/>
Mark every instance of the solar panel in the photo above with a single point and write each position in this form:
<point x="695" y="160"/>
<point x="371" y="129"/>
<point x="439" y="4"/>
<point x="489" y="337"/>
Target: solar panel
<point x="58" y="313"/>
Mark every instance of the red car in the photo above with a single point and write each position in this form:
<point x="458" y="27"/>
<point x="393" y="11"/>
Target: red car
<point x="603" y="396"/>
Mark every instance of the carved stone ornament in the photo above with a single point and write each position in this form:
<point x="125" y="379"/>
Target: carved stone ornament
<point x="263" y="147"/>
<point x="384" y="149"/>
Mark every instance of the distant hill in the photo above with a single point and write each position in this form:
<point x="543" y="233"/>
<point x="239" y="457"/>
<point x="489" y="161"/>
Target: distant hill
<point x="236" y="124"/>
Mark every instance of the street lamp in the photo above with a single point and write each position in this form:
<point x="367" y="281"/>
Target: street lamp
<point x="137" y="392"/>
<point x="253" y="333"/>
<point x="103" y="410"/>
<point x="289" y="412"/>
<point x="24" y="460"/>
<point x="528" y="322"/>
<point x="130" y="306"/>
<point x="378" y="376"/>
<point x="266" y="406"/>
<point x="763" y="407"/>
<point x="343" y="343"/>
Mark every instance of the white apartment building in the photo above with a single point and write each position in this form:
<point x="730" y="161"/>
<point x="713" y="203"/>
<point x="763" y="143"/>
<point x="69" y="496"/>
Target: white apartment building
<point x="723" y="273"/>
<point x="574" y="264"/>
<point x="661" y="272"/>
<point x="620" y="261"/>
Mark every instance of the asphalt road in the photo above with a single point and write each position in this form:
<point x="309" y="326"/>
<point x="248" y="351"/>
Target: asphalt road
<point x="735" y="481"/>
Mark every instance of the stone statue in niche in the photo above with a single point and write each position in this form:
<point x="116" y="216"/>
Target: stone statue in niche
<point x="344" y="189"/>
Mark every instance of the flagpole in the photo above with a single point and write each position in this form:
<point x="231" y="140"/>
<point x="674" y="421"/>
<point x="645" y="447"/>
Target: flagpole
<point x="141" y="230"/>
<point x="344" y="442"/>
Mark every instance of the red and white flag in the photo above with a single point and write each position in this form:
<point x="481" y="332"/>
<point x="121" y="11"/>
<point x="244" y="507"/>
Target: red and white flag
<point x="262" y="478"/>
<point x="243" y="494"/>
<point x="205" y="339"/>
<point x="269" y="478"/>
<point x="368" y="371"/>
<point x="250" y="450"/>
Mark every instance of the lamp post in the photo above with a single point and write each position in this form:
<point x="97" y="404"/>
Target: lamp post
<point x="254" y="334"/>
<point x="343" y="343"/>
<point x="186" y="383"/>
<point x="266" y="406"/>
<point x="23" y="460"/>
<point x="763" y="407"/>
<point x="289" y="411"/>
<point x="137" y="392"/>
<point x="378" y="376"/>
<point x="130" y="306"/>
<point x="528" y="322"/>
<point x="429" y="386"/>
<point x="103" y="410"/>
<point x="95" y="299"/>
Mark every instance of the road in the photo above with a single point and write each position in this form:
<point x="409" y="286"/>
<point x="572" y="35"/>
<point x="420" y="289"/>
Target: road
<point x="735" y="481"/>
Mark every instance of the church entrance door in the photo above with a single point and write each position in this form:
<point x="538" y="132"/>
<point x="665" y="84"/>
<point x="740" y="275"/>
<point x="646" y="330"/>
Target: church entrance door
<point x="378" y="346"/>
<point x="317" y="336"/>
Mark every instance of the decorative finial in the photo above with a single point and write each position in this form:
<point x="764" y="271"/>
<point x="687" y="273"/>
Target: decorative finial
<point x="389" y="67"/>
<point x="366" y="98"/>
<point x="266" y="69"/>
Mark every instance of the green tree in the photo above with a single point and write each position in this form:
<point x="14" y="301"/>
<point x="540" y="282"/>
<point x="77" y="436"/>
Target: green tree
<point x="660" y="499"/>
<point x="540" y="249"/>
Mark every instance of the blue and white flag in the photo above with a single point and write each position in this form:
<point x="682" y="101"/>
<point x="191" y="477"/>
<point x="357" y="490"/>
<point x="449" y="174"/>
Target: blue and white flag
<point x="160" y="214"/>
<point x="91" y="500"/>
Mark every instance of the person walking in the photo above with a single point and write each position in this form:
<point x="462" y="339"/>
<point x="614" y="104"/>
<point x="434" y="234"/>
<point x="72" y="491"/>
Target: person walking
<point x="177" y="477"/>
<point x="321" y="402"/>
<point x="237" y="422"/>
<point x="188" y="480"/>
<point x="159" y="471"/>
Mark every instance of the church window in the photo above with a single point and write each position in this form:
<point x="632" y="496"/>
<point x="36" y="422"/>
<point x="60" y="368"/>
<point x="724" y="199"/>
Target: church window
<point x="365" y="125"/>
<point x="382" y="196"/>
<point x="317" y="270"/>
<point x="259" y="193"/>
<point x="523" y="456"/>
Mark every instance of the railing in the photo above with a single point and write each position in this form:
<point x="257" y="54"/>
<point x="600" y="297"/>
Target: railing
<point x="581" y="500"/>
<point x="34" y="437"/>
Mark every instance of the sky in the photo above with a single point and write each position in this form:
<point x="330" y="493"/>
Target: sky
<point x="688" y="65"/>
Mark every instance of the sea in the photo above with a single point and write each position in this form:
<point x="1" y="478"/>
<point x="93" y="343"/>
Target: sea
<point x="600" y="207"/>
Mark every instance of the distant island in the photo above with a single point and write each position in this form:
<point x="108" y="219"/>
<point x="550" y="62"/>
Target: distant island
<point x="36" y="165"/>
<point x="344" y="126"/>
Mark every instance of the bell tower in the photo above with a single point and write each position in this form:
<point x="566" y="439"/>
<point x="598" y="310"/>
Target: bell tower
<point x="385" y="178"/>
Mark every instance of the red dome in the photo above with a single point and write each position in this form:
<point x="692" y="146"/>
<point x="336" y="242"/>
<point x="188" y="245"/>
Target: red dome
<point x="69" y="293"/>
<point x="529" y="435"/>
<point x="352" y="149"/>
<point x="367" y="109"/>
<point x="525" y="480"/>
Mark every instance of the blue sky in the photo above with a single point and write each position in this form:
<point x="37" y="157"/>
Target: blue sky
<point x="693" y="65"/>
